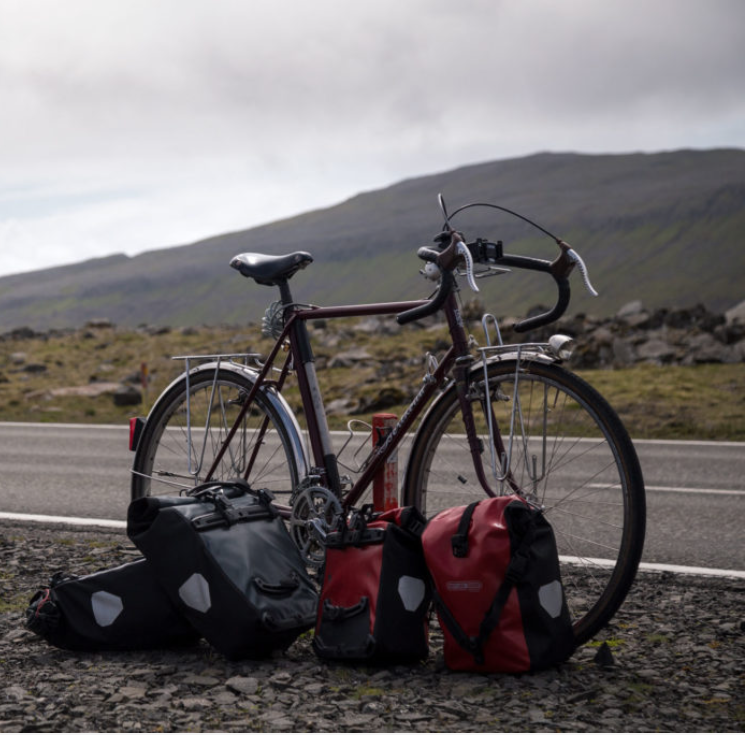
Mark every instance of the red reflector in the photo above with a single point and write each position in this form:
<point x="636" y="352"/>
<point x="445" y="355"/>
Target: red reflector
<point x="135" y="429"/>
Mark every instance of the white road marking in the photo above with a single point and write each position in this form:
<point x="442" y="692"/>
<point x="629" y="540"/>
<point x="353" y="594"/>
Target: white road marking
<point x="644" y="566"/>
<point x="650" y="567"/>
<point x="689" y="490"/>
<point x="693" y="490"/>
<point x="64" y="520"/>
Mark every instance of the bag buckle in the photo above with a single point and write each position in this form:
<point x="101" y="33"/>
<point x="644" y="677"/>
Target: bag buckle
<point x="459" y="542"/>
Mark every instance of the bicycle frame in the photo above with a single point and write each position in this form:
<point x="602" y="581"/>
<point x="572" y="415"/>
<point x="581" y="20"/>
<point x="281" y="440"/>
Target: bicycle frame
<point x="300" y="357"/>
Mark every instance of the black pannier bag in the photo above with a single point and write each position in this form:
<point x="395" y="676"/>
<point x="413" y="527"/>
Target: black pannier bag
<point x="376" y="594"/>
<point x="124" y="608"/>
<point x="228" y="563"/>
<point x="498" y="591"/>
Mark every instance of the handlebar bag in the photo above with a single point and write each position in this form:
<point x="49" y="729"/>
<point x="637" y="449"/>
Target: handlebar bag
<point x="497" y="587"/>
<point x="227" y="562"/>
<point x="123" y="608"/>
<point x="375" y="595"/>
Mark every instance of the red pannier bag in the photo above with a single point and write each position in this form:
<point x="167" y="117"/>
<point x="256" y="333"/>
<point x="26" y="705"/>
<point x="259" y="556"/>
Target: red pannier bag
<point x="376" y="594"/>
<point x="497" y="587"/>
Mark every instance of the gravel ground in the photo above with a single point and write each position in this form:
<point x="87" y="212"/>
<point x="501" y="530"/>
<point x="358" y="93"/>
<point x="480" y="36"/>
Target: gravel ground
<point x="671" y="661"/>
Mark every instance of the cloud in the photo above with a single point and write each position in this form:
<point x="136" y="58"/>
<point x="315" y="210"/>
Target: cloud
<point x="131" y="124"/>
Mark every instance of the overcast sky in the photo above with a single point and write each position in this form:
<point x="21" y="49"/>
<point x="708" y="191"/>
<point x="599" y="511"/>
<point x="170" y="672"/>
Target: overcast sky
<point x="129" y="125"/>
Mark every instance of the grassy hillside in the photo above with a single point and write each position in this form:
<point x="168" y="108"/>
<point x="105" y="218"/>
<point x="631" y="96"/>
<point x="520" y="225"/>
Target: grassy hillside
<point x="664" y="228"/>
<point x="703" y="402"/>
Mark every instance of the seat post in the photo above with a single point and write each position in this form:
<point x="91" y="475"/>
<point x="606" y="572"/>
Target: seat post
<point x="284" y="292"/>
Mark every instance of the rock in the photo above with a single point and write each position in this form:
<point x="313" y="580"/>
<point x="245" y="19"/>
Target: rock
<point x="736" y="315"/>
<point x="695" y="316"/>
<point x="703" y="348"/>
<point x="623" y="353"/>
<point x="127" y="395"/>
<point x="341" y="406"/>
<point x="23" y="333"/>
<point x="154" y="330"/>
<point x="604" y="656"/>
<point x="657" y="351"/>
<point x="243" y="684"/>
<point x="633" y="308"/>
<point x="15" y="693"/>
<point x="638" y="321"/>
<point x="350" y="358"/>
<point x="92" y="390"/>
<point x="34" y="368"/>
<point x="730" y="333"/>
<point x="99" y="323"/>
<point x="602" y="336"/>
<point x="386" y="398"/>
<point x="375" y="325"/>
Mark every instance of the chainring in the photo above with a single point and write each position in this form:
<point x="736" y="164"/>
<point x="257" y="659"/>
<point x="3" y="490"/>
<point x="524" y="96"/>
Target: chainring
<point x="314" y="510"/>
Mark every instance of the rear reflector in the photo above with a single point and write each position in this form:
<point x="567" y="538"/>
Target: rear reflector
<point x="135" y="430"/>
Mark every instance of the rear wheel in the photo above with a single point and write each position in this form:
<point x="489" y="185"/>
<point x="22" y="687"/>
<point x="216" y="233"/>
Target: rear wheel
<point x="170" y="456"/>
<point x="569" y="453"/>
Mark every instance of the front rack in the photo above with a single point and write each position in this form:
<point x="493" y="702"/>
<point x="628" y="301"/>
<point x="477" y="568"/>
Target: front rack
<point x="501" y="466"/>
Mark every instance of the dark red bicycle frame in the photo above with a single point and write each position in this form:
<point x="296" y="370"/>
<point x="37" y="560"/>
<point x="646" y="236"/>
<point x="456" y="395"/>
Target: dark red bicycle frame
<point x="295" y="333"/>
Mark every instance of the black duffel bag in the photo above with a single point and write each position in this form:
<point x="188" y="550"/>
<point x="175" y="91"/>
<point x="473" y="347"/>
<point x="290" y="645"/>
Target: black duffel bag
<point x="227" y="561"/>
<point x="124" y="608"/>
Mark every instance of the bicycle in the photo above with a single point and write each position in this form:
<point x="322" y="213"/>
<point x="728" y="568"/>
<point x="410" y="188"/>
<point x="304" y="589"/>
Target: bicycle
<point x="500" y="418"/>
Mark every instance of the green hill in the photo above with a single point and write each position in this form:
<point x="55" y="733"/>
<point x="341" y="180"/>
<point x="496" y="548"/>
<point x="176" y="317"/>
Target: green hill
<point x="664" y="228"/>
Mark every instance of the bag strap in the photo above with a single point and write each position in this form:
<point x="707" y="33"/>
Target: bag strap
<point x="225" y="513"/>
<point x="411" y="519"/>
<point x="459" y="540"/>
<point x="468" y="643"/>
<point x="282" y="587"/>
<point x="230" y="489"/>
<point x="515" y="571"/>
<point x="355" y="532"/>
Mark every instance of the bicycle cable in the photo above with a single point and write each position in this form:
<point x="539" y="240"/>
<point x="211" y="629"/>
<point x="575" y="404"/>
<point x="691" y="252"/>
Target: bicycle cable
<point x="558" y="240"/>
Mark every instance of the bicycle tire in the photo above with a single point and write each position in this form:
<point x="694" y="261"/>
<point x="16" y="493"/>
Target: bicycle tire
<point x="161" y="464"/>
<point x="591" y="486"/>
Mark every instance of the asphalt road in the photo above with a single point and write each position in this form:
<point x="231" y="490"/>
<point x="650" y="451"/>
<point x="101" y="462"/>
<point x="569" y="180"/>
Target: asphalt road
<point x="695" y="490"/>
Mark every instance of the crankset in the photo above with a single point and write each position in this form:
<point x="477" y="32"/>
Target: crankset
<point x="314" y="513"/>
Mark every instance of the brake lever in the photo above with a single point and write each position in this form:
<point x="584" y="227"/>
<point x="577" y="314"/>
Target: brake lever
<point x="463" y="250"/>
<point x="575" y="257"/>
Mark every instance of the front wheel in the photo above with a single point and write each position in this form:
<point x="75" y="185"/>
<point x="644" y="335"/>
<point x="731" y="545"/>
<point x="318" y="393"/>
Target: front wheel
<point x="186" y="429"/>
<point x="564" y="448"/>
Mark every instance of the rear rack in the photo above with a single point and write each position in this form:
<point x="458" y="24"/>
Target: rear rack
<point x="232" y="357"/>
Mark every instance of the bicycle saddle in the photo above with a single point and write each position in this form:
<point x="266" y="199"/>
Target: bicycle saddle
<point x="270" y="270"/>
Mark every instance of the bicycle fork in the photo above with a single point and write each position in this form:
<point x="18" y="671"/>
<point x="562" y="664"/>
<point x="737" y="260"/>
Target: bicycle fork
<point x="501" y="476"/>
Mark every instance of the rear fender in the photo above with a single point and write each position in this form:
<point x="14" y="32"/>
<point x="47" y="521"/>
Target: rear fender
<point x="277" y="401"/>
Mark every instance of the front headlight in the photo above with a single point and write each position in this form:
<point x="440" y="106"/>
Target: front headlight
<point x="561" y="346"/>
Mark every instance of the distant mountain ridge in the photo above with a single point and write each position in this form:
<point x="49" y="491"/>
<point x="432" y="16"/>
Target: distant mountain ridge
<point x="664" y="228"/>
